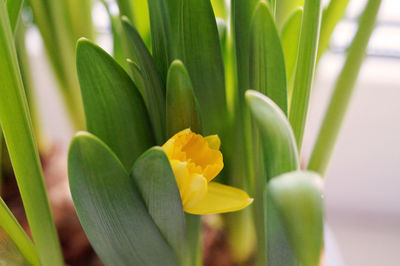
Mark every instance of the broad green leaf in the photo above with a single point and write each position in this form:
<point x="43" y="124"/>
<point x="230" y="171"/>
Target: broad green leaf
<point x="276" y="154"/>
<point x="298" y="199"/>
<point x="305" y="67"/>
<point x="154" y="90"/>
<point x="18" y="134"/>
<point x="161" y="36"/>
<point x="182" y="106"/>
<point x="9" y="253"/>
<point x="201" y="54"/>
<point x="267" y="64"/>
<point x="330" y="18"/>
<point x="110" y="207"/>
<point x="155" y="180"/>
<point x="277" y="137"/>
<point x="16" y="233"/>
<point x="114" y="109"/>
<point x="14" y="9"/>
<point x="343" y="91"/>
<point x="290" y="37"/>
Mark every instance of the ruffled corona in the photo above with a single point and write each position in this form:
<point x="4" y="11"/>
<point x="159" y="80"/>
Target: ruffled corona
<point x="195" y="161"/>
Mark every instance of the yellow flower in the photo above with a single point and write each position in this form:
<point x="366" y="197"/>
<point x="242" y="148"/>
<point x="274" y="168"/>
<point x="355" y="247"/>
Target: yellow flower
<point x="195" y="161"/>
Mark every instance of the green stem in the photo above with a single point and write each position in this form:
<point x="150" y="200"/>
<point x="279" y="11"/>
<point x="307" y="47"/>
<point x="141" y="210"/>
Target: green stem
<point x="330" y="18"/>
<point x="305" y="68"/>
<point x="343" y="91"/>
<point x="17" y="234"/>
<point x="17" y="129"/>
<point x="193" y="234"/>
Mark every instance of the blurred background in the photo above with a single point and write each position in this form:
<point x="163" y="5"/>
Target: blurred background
<point x="362" y="185"/>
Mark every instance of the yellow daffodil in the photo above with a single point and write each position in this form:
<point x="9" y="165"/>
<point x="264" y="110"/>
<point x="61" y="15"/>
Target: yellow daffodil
<point x="195" y="161"/>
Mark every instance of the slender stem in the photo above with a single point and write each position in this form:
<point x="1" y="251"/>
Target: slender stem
<point x="305" y="67"/>
<point x="330" y="18"/>
<point x="343" y="91"/>
<point x="17" y="234"/>
<point x="18" y="133"/>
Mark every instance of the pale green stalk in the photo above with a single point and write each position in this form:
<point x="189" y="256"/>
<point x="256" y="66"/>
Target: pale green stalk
<point x="343" y="91"/>
<point x="305" y="67"/>
<point x="330" y="18"/>
<point x="17" y="129"/>
<point x="51" y="19"/>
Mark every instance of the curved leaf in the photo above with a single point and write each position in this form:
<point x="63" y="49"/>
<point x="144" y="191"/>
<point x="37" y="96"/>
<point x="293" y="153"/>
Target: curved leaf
<point x="276" y="155"/>
<point x="267" y="64"/>
<point x="182" y="106"/>
<point x="110" y="207"/>
<point x="114" y="109"/>
<point x="277" y="137"/>
<point x="155" y="180"/>
<point x="154" y="91"/>
<point x="298" y="199"/>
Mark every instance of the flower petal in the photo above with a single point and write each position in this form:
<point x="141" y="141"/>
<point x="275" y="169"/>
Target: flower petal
<point x="213" y="142"/>
<point x="219" y="199"/>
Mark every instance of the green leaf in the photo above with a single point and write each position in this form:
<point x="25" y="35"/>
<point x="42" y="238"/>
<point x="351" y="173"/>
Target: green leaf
<point x="330" y="18"/>
<point x="276" y="135"/>
<point x="201" y="54"/>
<point x="14" y="9"/>
<point x="162" y="46"/>
<point x="220" y="8"/>
<point x="284" y="8"/>
<point x="110" y="207"/>
<point x="305" y="68"/>
<point x="298" y="199"/>
<point x="267" y="64"/>
<point x="276" y="154"/>
<point x="343" y="91"/>
<point x="182" y="106"/>
<point x="154" y="91"/>
<point x="142" y="20"/>
<point x="155" y="180"/>
<point x="17" y="234"/>
<point x="290" y="37"/>
<point x="114" y="109"/>
<point x="18" y="133"/>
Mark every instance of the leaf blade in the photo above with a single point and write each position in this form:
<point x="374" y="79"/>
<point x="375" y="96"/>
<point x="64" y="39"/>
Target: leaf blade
<point x="114" y="109"/>
<point x="156" y="182"/>
<point x="110" y="208"/>
<point x="267" y="64"/>
<point x="182" y="105"/>
<point x="298" y="199"/>
<point x="154" y="91"/>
